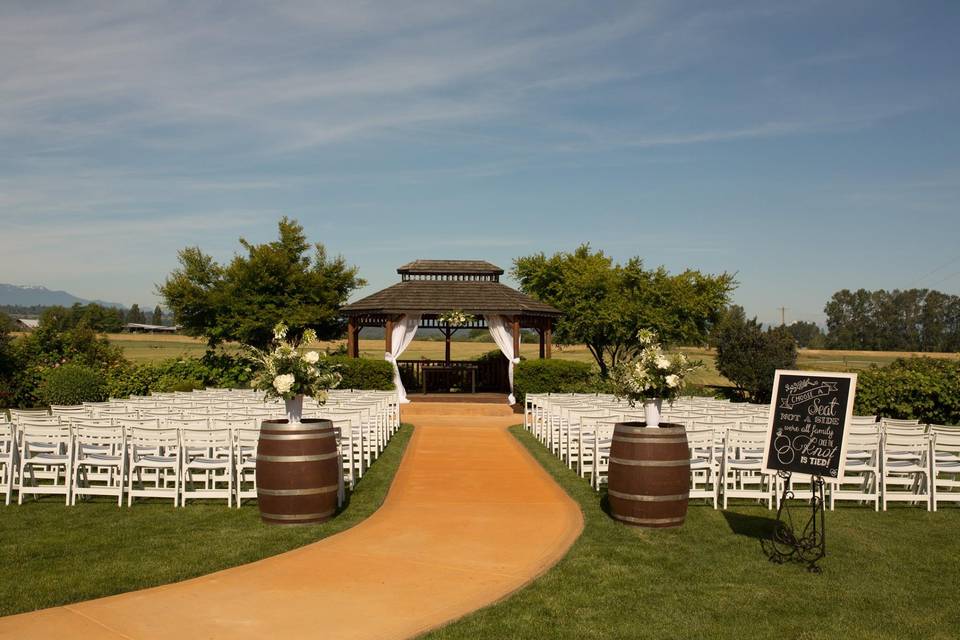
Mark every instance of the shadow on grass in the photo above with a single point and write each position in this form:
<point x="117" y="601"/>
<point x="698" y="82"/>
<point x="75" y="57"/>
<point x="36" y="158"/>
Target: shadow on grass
<point x="757" y="527"/>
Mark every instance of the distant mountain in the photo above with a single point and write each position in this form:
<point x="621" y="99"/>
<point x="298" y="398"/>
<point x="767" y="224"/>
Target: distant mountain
<point x="24" y="296"/>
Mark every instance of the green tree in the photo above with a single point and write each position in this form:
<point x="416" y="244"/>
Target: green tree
<point x="807" y="334"/>
<point x="135" y="315"/>
<point x="157" y="316"/>
<point x="748" y="356"/>
<point x="898" y="320"/>
<point x="605" y="303"/>
<point x="286" y="280"/>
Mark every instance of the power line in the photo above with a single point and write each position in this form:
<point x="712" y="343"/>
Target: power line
<point x="930" y="273"/>
<point x="952" y="275"/>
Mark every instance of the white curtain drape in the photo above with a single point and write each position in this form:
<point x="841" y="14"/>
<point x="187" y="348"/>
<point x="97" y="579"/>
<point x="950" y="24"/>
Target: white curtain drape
<point x="500" y="330"/>
<point x="402" y="335"/>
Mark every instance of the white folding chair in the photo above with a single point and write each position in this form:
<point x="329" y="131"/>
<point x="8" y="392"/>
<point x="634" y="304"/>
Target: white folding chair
<point x="207" y="453"/>
<point x="45" y="450"/>
<point x="99" y="462"/>
<point x="8" y="458"/>
<point x="245" y="462"/>
<point x="905" y="463"/>
<point x="703" y="478"/>
<point x="861" y="476"/>
<point x="741" y="467"/>
<point x="154" y="459"/>
<point x="945" y="466"/>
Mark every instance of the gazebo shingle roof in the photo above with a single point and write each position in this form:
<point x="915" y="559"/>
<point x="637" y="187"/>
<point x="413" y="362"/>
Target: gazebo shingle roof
<point x="450" y="267"/>
<point x="439" y="296"/>
<point x="459" y="285"/>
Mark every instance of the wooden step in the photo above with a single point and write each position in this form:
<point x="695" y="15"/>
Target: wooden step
<point x="454" y="409"/>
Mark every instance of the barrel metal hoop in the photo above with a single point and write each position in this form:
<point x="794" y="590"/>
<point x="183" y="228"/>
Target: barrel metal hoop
<point x="651" y="463"/>
<point x="315" y="458"/>
<point x="637" y="497"/>
<point x="299" y="516"/>
<point x="296" y="436"/>
<point x="298" y="492"/>
<point x="666" y="431"/>
<point x="297" y="426"/>
<point x="618" y="438"/>
<point x="678" y="520"/>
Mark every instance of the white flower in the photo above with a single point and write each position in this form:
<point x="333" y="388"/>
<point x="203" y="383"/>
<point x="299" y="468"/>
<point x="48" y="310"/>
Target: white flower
<point x="663" y="362"/>
<point x="283" y="383"/>
<point x="673" y="381"/>
<point x="280" y="331"/>
<point x="311" y="357"/>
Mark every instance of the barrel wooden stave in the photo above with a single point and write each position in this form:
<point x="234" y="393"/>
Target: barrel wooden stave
<point x="649" y="475"/>
<point x="298" y="471"/>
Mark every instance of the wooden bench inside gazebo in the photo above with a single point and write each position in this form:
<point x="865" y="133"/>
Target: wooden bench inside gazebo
<point x="428" y="292"/>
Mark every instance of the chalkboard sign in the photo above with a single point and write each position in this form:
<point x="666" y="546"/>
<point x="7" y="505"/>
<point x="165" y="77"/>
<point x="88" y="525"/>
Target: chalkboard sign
<point x="809" y="415"/>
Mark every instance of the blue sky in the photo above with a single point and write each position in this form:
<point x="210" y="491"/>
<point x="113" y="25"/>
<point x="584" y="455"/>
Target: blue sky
<point x="807" y="146"/>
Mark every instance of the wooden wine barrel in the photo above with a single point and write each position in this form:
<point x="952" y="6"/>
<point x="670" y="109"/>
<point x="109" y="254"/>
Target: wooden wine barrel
<point x="298" y="471"/>
<point x="649" y="475"/>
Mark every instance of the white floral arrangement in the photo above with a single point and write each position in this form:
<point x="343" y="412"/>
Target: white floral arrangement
<point x="653" y="373"/>
<point x="456" y="318"/>
<point x="288" y="370"/>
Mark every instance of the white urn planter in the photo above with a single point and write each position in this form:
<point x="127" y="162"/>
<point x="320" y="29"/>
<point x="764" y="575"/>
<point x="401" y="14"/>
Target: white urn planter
<point x="294" y="408"/>
<point x="651" y="411"/>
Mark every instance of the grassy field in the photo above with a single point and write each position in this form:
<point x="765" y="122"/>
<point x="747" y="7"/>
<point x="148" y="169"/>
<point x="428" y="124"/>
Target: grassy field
<point x="150" y="348"/>
<point x="55" y="555"/>
<point x="887" y="575"/>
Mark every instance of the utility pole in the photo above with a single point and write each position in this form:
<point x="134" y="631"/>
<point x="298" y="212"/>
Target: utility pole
<point x="783" y="316"/>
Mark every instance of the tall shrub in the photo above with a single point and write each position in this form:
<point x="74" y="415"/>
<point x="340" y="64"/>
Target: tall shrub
<point x="364" y="373"/>
<point x="553" y="376"/>
<point x="748" y="356"/>
<point x="923" y="389"/>
<point x="73" y="384"/>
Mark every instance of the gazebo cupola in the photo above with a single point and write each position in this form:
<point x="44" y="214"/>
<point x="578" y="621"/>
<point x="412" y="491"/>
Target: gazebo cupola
<point x="430" y="288"/>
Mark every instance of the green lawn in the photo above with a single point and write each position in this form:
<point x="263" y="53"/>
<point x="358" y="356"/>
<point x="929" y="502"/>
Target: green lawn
<point x="887" y="575"/>
<point x="54" y="555"/>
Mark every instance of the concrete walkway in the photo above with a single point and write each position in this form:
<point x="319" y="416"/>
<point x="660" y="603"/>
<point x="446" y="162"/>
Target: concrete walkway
<point x="470" y="518"/>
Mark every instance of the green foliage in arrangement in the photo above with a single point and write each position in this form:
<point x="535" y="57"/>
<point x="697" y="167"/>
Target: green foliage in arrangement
<point x="286" y="280"/>
<point x="748" y="356"/>
<point x="605" y="304"/>
<point x="364" y="373"/>
<point x="553" y="376"/>
<point x="912" y="388"/>
<point x="73" y="384"/>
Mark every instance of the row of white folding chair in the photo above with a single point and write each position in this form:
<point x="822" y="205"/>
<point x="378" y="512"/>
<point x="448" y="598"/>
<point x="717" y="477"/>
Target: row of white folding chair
<point x="107" y="460"/>
<point x="916" y="468"/>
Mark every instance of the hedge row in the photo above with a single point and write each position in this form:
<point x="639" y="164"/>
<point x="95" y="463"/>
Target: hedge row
<point x="923" y="389"/>
<point x="554" y="376"/>
<point x="225" y="371"/>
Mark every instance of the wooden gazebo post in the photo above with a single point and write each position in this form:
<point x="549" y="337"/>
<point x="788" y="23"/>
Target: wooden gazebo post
<point x="515" y="329"/>
<point x="352" y="350"/>
<point x="388" y="335"/>
<point x="546" y="338"/>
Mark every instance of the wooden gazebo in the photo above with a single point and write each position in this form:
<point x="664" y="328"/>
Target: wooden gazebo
<point x="431" y="288"/>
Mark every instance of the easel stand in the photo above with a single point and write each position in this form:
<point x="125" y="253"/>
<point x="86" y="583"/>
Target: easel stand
<point x="790" y="544"/>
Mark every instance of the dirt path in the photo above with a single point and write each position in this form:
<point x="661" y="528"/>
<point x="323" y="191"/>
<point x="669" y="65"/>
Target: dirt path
<point x="470" y="518"/>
